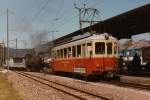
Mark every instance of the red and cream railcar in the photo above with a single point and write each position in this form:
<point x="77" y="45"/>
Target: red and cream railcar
<point x="96" y="54"/>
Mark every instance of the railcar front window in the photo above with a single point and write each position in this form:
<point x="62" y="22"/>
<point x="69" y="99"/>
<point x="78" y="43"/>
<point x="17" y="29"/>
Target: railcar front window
<point x="99" y="48"/>
<point x="109" y="48"/>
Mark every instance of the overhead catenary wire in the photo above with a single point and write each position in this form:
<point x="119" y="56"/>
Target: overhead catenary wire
<point x="95" y="4"/>
<point x="40" y="10"/>
<point x="21" y="20"/>
<point x="56" y="15"/>
<point x="24" y="19"/>
<point x="70" y="19"/>
<point x="60" y="8"/>
<point x="62" y="15"/>
<point x="29" y="10"/>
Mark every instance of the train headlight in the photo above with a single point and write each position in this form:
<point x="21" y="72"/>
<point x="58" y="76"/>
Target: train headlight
<point x="106" y="36"/>
<point x="97" y="65"/>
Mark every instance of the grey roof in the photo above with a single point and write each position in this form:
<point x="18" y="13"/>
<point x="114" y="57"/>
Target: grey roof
<point x="139" y="44"/>
<point x="130" y="45"/>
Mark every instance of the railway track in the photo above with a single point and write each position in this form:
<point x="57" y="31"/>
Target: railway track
<point x="74" y="92"/>
<point x="126" y="84"/>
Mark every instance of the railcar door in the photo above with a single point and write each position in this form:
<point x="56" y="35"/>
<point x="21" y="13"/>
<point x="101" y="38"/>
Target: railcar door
<point x="99" y="56"/>
<point x="89" y="57"/>
<point x="110" y="59"/>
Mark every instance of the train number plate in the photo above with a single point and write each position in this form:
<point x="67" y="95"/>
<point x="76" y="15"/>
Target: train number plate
<point x="109" y="68"/>
<point x="80" y="70"/>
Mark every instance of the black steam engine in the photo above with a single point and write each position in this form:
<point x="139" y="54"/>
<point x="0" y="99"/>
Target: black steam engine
<point x="35" y="62"/>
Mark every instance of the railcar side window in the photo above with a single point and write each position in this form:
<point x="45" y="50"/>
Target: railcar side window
<point x="69" y="52"/>
<point x="109" y="48"/>
<point x="61" y="53"/>
<point x="89" y="44"/>
<point x="115" y="48"/>
<point x="83" y="50"/>
<point x="99" y="48"/>
<point x="78" y="50"/>
<point x="74" y="51"/>
<point x="18" y="60"/>
<point x="89" y="49"/>
<point x="65" y="52"/>
<point x="55" y="54"/>
<point x="58" y="54"/>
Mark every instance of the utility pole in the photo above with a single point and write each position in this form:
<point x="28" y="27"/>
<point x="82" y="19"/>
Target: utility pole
<point x="3" y="51"/>
<point x="16" y="47"/>
<point x="80" y="12"/>
<point x="86" y="15"/>
<point x="7" y="39"/>
<point x="25" y="44"/>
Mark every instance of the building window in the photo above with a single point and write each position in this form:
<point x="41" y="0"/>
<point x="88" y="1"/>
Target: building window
<point x="99" y="48"/>
<point x="109" y="48"/>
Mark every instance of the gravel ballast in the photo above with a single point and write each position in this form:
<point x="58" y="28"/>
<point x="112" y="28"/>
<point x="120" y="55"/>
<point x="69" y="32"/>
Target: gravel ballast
<point x="35" y="91"/>
<point x="31" y="90"/>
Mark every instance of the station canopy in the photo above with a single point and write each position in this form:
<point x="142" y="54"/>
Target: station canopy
<point x="125" y="25"/>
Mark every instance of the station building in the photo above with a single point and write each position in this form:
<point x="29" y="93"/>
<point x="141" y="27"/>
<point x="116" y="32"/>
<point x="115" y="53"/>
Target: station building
<point x="141" y="47"/>
<point x="2" y="53"/>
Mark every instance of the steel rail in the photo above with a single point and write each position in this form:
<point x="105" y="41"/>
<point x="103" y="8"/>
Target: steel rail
<point x="79" y="97"/>
<point x="126" y="84"/>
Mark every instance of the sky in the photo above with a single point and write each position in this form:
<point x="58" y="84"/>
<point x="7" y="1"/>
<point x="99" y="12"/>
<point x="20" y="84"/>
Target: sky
<point x="28" y="19"/>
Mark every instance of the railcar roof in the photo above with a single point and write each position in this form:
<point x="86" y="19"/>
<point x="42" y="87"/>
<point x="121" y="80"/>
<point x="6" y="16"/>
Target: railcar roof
<point x="90" y="38"/>
<point x="101" y="37"/>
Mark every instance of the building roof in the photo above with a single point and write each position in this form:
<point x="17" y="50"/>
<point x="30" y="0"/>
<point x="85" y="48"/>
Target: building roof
<point x="124" y="25"/>
<point x="131" y="45"/>
<point x="139" y="44"/>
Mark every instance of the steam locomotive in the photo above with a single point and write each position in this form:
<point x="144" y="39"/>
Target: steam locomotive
<point x="35" y="62"/>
